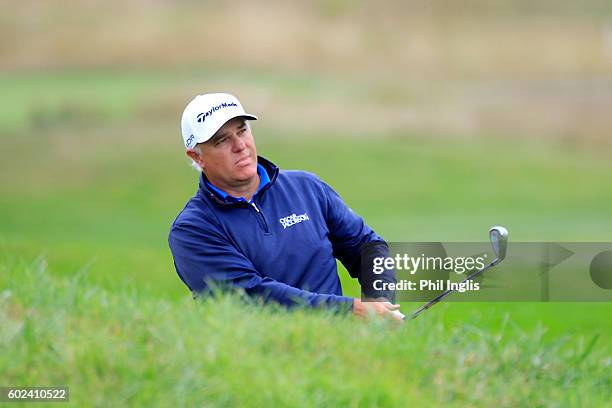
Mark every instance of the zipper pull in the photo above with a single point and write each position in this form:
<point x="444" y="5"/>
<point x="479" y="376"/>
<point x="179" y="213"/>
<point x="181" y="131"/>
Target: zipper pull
<point x="255" y="207"/>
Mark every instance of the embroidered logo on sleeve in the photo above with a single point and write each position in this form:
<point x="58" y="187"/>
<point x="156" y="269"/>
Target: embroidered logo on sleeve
<point x="293" y="219"/>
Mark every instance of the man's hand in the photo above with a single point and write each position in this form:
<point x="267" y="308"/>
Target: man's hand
<point x="379" y="308"/>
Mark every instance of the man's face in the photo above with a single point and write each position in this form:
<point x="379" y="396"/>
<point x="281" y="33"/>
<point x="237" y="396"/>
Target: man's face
<point x="229" y="158"/>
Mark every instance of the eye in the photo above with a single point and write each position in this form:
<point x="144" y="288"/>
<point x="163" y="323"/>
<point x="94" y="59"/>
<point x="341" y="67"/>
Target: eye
<point x="220" y="141"/>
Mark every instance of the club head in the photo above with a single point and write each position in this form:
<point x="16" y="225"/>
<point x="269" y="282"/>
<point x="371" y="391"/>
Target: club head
<point x="499" y="241"/>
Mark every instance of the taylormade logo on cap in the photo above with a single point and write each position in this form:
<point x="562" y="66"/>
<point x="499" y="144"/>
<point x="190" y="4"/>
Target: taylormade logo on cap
<point x="202" y="116"/>
<point x="205" y="115"/>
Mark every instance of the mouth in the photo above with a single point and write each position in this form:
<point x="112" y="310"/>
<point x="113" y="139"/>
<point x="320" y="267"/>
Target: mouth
<point x="244" y="161"/>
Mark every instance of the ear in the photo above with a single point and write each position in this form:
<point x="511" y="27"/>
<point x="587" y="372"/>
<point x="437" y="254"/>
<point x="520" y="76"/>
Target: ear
<point x="193" y="155"/>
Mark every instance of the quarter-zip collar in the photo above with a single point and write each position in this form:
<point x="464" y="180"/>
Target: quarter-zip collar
<point x="266" y="169"/>
<point x="263" y="180"/>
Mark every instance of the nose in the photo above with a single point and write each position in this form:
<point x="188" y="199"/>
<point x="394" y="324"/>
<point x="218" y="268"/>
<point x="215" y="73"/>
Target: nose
<point x="239" y="144"/>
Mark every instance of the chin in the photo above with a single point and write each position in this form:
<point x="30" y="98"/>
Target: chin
<point x="248" y="172"/>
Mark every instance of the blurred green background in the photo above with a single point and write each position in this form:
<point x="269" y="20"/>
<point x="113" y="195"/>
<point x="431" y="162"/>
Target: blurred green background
<point x="434" y="121"/>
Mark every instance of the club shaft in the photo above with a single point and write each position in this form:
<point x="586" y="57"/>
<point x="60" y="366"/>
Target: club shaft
<point x="441" y="296"/>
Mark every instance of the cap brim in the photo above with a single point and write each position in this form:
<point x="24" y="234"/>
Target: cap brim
<point x="247" y="116"/>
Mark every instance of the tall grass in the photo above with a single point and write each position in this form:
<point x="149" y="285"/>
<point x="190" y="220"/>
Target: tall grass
<point x="125" y="347"/>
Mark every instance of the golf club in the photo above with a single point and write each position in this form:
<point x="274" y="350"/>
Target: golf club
<point x="499" y="241"/>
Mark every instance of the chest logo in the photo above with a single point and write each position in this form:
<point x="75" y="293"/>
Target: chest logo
<point x="293" y="219"/>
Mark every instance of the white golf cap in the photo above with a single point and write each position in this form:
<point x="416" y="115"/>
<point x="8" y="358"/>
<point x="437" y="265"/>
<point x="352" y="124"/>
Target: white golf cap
<point x="206" y="113"/>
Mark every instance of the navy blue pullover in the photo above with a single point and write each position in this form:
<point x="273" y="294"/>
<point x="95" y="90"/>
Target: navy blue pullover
<point x="281" y="246"/>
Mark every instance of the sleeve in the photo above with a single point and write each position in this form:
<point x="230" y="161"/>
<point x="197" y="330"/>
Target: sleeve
<point x="355" y="244"/>
<point x="205" y="260"/>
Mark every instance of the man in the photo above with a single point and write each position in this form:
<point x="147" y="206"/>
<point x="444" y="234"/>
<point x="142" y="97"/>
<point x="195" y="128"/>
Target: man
<point x="274" y="234"/>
